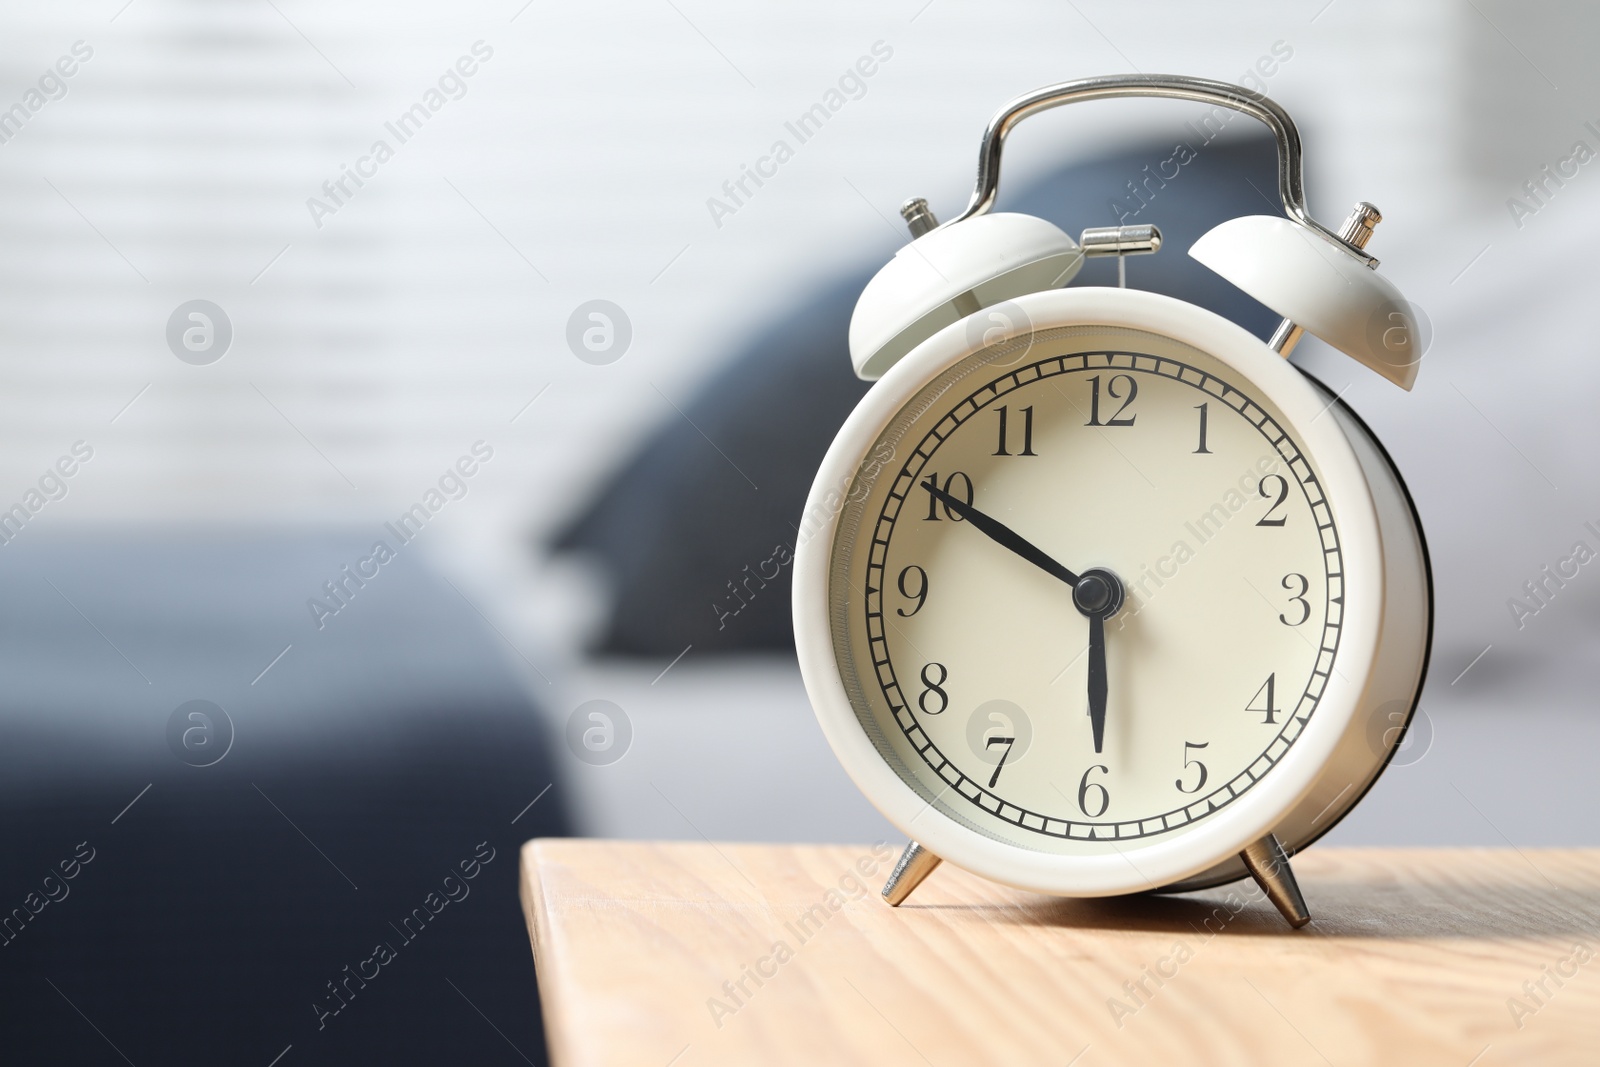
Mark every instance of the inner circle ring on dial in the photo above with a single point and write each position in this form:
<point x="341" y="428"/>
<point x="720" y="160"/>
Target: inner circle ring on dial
<point x="1295" y="722"/>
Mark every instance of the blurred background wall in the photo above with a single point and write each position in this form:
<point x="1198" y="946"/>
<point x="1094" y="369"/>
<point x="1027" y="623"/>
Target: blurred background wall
<point x="378" y="332"/>
<point x="375" y="339"/>
<point x="382" y="329"/>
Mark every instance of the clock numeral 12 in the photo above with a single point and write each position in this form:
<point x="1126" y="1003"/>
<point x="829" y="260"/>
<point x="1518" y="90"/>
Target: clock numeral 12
<point x="1268" y="687"/>
<point x="965" y="495"/>
<point x="1027" y="432"/>
<point x="1112" y="391"/>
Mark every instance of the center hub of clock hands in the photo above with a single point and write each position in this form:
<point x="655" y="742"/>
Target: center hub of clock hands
<point x="1097" y="594"/>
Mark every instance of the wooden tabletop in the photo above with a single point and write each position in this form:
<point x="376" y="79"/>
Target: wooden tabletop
<point x="652" y="954"/>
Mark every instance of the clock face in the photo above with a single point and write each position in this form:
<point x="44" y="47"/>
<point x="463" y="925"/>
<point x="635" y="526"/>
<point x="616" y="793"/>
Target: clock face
<point x="983" y="549"/>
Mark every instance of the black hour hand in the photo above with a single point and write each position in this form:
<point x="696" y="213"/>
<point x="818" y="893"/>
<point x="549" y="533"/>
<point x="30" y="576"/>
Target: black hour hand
<point x="1001" y="534"/>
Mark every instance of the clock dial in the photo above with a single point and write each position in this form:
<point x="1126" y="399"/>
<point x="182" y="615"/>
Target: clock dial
<point x="1088" y="590"/>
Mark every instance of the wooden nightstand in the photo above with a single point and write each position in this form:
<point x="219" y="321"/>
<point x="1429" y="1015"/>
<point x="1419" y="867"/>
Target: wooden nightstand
<point x="653" y="954"/>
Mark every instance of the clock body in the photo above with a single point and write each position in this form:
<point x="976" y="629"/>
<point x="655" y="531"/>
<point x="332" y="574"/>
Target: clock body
<point x="1274" y="628"/>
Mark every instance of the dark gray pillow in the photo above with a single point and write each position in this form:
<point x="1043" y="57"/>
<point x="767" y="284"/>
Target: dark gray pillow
<point x="689" y="537"/>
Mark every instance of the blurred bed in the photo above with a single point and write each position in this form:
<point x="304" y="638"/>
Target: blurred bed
<point x="248" y="805"/>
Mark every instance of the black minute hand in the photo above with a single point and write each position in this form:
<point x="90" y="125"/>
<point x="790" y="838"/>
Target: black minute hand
<point x="1001" y="534"/>
<point x="1097" y="679"/>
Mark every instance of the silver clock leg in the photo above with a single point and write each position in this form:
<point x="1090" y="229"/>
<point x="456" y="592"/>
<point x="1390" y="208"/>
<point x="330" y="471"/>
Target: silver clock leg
<point x="1269" y="865"/>
<point x="915" y="864"/>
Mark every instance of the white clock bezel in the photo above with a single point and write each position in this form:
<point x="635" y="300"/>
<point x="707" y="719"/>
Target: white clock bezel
<point x="1220" y="836"/>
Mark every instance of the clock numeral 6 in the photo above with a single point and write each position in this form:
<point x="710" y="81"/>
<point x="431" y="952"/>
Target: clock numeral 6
<point x="1085" y="787"/>
<point x="920" y="594"/>
<point x="1129" y="390"/>
<point x="935" y="688"/>
<point x="964" y="494"/>
<point x="1297" y="597"/>
<point x="1187" y="763"/>
<point x="1283" y="494"/>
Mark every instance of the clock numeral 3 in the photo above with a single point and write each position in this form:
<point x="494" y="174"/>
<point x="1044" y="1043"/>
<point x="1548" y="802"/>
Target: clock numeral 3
<point x="1086" y="787"/>
<point x="1267" y="687"/>
<point x="964" y="494"/>
<point x="993" y="741"/>
<point x="1187" y="763"/>
<point x="935" y="688"/>
<point x="1283" y="494"/>
<point x="1027" y="432"/>
<point x="1126" y="394"/>
<point x="1202" y="450"/>
<point x="920" y="594"/>
<point x="1299" y="597"/>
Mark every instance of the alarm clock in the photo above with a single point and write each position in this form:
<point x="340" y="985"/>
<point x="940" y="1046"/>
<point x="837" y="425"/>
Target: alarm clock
<point x="1096" y="593"/>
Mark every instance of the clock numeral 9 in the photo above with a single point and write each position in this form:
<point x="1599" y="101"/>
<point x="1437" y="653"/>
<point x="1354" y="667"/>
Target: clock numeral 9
<point x="1299" y="597"/>
<point x="1268" y="687"/>
<point x="935" y="688"/>
<point x="1086" y="787"/>
<point x="1027" y="432"/>
<point x="1187" y="763"/>
<point x="1130" y="387"/>
<point x="920" y="594"/>
<point x="1283" y="494"/>
<point x="964" y="494"/>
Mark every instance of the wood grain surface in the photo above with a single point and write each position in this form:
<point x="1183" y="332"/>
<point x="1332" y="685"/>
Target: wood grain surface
<point x="651" y="954"/>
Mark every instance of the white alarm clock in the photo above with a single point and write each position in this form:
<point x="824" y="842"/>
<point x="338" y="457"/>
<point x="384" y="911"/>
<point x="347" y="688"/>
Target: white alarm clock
<point x="1096" y="593"/>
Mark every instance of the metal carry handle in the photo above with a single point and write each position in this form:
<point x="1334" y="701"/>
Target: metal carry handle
<point x="1165" y="86"/>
